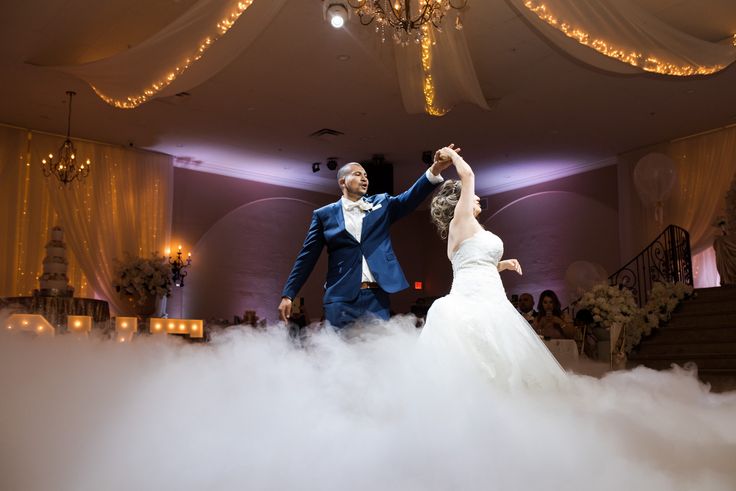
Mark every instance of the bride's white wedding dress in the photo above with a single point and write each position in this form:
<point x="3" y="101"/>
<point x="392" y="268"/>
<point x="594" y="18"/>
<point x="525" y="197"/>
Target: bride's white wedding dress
<point x="475" y="322"/>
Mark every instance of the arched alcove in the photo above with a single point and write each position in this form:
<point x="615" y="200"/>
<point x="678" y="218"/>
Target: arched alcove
<point x="547" y="232"/>
<point x="243" y="260"/>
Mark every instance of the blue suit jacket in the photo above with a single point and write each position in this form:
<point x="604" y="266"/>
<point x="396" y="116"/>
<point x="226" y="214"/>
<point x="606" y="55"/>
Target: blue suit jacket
<point x="344" y="268"/>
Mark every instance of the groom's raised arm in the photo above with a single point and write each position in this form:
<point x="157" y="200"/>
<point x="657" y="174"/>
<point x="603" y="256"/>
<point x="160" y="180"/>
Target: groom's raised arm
<point x="306" y="259"/>
<point x="406" y="202"/>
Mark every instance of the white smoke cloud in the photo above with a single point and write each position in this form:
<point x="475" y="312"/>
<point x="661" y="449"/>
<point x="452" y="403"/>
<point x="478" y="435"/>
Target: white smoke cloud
<point x="250" y="410"/>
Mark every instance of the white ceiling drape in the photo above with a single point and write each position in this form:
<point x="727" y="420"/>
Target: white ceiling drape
<point x="124" y="79"/>
<point x="619" y="36"/>
<point x="438" y="75"/>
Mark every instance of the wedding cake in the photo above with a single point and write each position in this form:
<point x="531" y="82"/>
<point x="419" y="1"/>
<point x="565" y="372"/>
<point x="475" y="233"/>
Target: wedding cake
<point x="54" y="280"/>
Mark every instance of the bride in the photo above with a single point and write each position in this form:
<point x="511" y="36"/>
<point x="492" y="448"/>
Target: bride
<point x="475" y="322"/>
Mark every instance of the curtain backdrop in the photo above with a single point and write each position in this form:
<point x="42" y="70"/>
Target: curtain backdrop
<point x="619" y="36"/>
<point x="704" y="166"/>
<point x="124" y="205"/>
<point x="26" y="215"/>
<point x="705" y="272"/>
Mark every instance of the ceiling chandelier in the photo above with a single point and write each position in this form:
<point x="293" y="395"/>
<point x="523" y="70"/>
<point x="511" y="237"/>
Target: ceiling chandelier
<point x="64" y="166"/>
<point x="404" y="19"/>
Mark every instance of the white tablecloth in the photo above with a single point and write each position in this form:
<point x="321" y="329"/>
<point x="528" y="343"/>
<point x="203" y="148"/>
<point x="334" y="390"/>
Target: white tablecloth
<point x="565" y="350"/>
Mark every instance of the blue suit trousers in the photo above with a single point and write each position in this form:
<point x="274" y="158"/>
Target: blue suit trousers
<point x="371" y="302"/>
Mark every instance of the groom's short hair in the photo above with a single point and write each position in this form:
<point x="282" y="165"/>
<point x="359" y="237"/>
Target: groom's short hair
<point x="345" y="170"/>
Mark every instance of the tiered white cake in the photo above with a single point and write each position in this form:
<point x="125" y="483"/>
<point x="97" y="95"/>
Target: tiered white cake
<point x="54" y="280"/>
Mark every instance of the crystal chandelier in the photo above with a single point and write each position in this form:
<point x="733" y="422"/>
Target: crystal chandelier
<point x="64" y="166"/>
<point x="404" y="19"/>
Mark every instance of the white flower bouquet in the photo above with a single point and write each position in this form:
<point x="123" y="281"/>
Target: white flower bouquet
<point x="142" y="277"/>
<point x="663" y="300"/>
<point x="611" y="306"/>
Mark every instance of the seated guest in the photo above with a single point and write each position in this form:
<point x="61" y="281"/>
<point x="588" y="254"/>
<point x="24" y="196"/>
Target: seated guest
<point x="526" y="307"/>
<point x="550" y="322"/>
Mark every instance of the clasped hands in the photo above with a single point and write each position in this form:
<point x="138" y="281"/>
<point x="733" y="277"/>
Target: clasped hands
<point x="443" y="158"/>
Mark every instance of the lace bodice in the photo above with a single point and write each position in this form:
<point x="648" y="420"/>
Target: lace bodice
<point x="475" y="266"/>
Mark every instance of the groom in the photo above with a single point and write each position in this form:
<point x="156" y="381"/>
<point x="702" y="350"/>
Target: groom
<point x="362" y="269"/>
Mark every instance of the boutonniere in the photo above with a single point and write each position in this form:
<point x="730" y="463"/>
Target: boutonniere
<point x="374" y="207"/>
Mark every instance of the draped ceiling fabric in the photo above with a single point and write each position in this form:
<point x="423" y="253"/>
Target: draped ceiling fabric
<point x="614" y="35"/>
<point x="126" y="75"/>
<point x="451" y="68"/>
<point x="629" y="30"/>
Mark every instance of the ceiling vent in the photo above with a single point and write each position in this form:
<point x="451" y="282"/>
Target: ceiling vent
<point x="326" y="134"/>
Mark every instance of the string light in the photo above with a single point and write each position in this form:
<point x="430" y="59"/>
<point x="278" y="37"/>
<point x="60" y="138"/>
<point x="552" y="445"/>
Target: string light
<point x="22" y="224"/>
<point x="428" y="84"/>
<point x="633" y="58"/>
<point x="133" y="101"/>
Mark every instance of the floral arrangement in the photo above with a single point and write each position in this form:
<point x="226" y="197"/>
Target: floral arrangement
<point x="614" y="307"/>
<point x="141" y="277"/>
<point x="663" y="300"/>
<point x="611" y="306"/>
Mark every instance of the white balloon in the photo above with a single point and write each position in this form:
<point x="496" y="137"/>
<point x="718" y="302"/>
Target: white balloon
<point x="654" y="176"/>
<point x="580" y="276"/>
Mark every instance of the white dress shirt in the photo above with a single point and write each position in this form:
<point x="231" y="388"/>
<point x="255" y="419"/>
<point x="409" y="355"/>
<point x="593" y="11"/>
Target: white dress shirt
<point x="354" y="224"/>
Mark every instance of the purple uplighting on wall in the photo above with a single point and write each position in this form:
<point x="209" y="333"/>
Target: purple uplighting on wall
<point x="521" y="174"/>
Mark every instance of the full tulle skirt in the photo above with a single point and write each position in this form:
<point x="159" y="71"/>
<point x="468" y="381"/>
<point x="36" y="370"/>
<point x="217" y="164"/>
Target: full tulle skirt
<point x="492" y="336"/>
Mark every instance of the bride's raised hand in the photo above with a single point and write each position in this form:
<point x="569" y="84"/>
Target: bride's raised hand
<point x="449" y="153"/>
<point x="443" y="158"/>
<point x="510" y="264"/>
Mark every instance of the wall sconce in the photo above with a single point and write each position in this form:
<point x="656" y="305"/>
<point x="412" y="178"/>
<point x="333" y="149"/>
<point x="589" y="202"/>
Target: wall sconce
<point x="31" y="323"/>
<point x="178" y="266"/>
<point x="194" y="328"/>
<point x="125" y="328"/>
<point x="79" y="324"/>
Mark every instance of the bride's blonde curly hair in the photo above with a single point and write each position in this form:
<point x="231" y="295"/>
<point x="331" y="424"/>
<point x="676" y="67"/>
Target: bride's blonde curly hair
<point x="443" y="206"/>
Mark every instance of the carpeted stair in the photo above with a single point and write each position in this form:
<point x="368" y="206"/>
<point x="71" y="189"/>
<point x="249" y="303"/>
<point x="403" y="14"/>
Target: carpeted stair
<point x="702" y="331"/>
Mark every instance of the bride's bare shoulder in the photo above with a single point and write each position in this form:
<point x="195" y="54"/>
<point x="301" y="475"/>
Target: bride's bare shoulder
<point x="459" y="232"/>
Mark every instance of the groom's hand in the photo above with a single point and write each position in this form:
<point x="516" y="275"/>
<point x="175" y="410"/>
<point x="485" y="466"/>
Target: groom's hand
<point x="442" y="160"/>
<point x="285" y="309"/>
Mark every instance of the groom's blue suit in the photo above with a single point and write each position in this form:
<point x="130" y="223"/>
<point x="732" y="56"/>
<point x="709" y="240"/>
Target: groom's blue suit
<point x="345" y="253"/>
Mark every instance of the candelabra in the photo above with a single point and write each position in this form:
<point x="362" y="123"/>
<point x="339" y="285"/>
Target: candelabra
<point x="178" y="267"/>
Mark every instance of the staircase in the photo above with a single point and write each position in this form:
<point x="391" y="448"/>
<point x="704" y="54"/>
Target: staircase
<point x="702" y="331"/>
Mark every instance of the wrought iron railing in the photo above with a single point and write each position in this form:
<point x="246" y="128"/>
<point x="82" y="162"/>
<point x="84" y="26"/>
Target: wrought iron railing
<point x="666" y="259"/>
